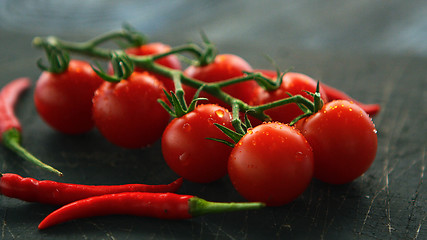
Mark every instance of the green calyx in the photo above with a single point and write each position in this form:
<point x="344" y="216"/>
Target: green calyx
<point x="178" y="105"/>
<point x="122" y="67"/>
<point x="210" y="53"/>
<point x="317" y="105"/>
<point x="57" y="58"/>
<point x="241" y="128"/>
<point x="12" y="138"/>
<point x="199" y="207"/>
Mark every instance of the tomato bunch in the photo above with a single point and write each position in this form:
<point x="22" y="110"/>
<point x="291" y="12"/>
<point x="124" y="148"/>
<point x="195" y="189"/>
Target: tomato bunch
<point x="302" y="136"/>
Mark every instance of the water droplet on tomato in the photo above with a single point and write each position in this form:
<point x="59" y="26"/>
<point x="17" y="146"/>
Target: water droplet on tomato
<point x="183" y="158"/>
<point x="211" y="120"/>
<point x="299" y="156"/>
<point x="186" y="127"/>
<point x="375" y="131"/>
<point x="219" y="113"/>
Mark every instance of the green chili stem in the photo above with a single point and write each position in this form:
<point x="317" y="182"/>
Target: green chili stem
<point x="200" y="206"/>
<point x="12" y="139"/>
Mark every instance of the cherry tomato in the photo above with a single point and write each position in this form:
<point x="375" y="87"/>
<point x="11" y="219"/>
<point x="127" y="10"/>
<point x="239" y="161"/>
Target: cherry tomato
<point x="272" y="163"/>
<point x="128" y="114"/>
<point x="188" y="152"/>
<point x="344" y="141"/>
<point x="224" y="67"/>
<point x="294" y="84"/>
<point x="64" y="101"/>
<point x="153" y="48"/>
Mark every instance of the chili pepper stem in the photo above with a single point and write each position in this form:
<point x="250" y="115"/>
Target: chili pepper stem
<point x="200" y="206"/>
<point x="12" y="138"/>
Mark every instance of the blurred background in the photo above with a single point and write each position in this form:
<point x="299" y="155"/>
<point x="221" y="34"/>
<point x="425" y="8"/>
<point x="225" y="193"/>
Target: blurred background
<point x="364" y="26"/>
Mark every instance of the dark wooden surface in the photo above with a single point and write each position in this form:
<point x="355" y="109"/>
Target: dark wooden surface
<point x="373" y="50"/>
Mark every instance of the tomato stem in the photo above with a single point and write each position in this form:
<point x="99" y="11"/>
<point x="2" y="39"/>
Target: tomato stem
<point x="58" y="59"/>
<point x="293" y="99"/>
<point x="189" y="48"/>
<point x="236" y="122"/>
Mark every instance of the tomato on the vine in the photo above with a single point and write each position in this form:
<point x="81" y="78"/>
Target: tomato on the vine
<point x="187" y="150"/>
<point x="344" y="141"/>
<point x="272" y="163"/>
<point x="170" y="61"/>
<point x="292" y="83"/>
<point x="64" y="100"/>
<point x="224" y="67"/>
<point x="127" y="113"/>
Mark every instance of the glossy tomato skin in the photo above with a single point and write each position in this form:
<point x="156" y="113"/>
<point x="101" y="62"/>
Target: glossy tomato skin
<point x="64" y="101"/>
<point x="224" y="67"/>
<point x="344" y="141"/>
<point x="186" y="149"/>
<point x="128" y="114"/>
<point x="170" y="61"/>
<point x="295" y="84"/>
<point x="272" y="163"/>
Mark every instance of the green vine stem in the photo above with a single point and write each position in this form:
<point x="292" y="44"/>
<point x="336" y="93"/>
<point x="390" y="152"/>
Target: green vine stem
<point x="58" y="59"/>
<point x="91" y="48"/>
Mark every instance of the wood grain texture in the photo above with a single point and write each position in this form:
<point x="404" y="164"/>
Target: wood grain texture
<point x="373" y="51"/>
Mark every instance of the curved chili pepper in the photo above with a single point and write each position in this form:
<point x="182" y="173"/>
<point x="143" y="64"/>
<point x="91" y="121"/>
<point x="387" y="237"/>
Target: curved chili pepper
<point x="10" y="128"/>
<point x="51" y="192"/>
<point x="335" y="94"/>
<point x="157" y="205"/>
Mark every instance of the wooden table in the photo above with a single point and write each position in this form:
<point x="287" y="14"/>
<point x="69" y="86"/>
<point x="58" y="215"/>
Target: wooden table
<point x="371" y="50"/>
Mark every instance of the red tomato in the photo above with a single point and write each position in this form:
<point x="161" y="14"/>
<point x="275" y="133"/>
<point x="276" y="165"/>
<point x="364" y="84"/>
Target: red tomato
<point x="64" y="101"/>
<point x="293" y="83"/>
<point x="272" y="163"/>
<point x="224" y="67"/>
<point x="188" y="152"/>
<point x="128" y="114"/>
<point x="170" y="61"/>
<point x="344" y="141"/>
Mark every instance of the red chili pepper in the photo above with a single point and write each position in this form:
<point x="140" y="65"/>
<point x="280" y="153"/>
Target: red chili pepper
<point x="335" y="94"/>
<point x="10" y="128"/>
<point x="51" y="192"/>
<point x="8" y="97"/>
<point x="157" y="205"/>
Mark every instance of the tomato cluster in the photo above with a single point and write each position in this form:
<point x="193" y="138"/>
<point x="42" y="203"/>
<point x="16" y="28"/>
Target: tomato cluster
<point x="272" y="162"/>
